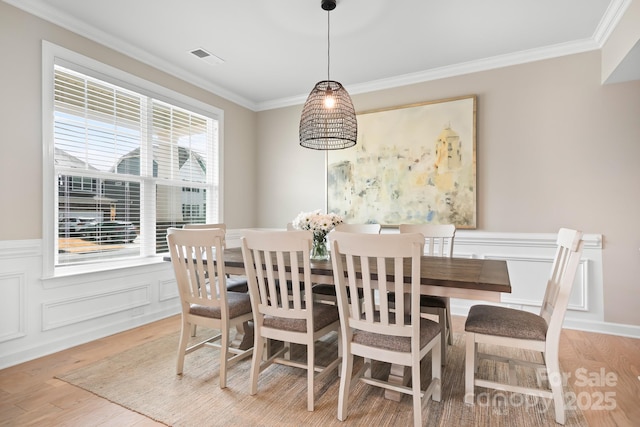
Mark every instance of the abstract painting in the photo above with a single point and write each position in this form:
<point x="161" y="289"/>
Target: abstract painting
<point x="411" y="164"/>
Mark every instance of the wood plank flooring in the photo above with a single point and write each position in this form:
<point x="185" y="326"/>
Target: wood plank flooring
<point x="597" y="364"/>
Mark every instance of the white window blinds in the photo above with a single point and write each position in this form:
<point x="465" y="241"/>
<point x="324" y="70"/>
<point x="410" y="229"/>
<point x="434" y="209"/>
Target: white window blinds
<point x="128" y="167"/>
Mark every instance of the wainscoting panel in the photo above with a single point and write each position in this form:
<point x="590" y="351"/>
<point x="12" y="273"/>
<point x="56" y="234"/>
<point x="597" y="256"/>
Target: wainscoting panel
<point x="169" y="290"/>
<point x="39" y="317"/>
<point x="80" y="309"/>
<point x="529" y="280"/>
<point x="13" y="310"/>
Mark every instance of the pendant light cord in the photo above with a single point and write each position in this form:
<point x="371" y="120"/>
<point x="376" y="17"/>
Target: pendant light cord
<point x="328" y="44"/>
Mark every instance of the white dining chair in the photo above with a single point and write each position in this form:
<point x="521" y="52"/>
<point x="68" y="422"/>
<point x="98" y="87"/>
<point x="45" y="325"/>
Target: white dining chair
<point x="377" y="331"/>
<point x="234" y="283"/>
<point x="509" y="327"/>
<point x="438" y="242"/>
<point x="204" y="299"/>
<point x="290" y="315"/>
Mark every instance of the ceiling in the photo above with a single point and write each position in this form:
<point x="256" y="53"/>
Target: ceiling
<point x="273" y="52"/>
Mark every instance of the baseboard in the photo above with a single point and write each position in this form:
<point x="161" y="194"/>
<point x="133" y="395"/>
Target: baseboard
<point x="608" y="328"/>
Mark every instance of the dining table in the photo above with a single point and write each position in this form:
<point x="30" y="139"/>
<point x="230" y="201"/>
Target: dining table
<point x="464" y="278"/>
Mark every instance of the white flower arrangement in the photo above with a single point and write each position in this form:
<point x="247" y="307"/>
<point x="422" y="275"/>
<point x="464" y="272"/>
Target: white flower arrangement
<point x="319" y="223"/>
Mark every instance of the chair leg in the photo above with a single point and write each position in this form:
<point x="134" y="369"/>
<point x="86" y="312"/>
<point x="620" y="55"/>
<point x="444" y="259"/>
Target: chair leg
<point x="444" y="328"/>
<point x="339" y="369"/>
<point x="256" y="361"/>
<point x="553" y="372"/>
<point x="182" y="346"/>
<point x="449" y="323"/>
<point x="287" y="354"/>
<point x="470" y="369"/>
<point x="436" y="372"/>
<point x="224" y="356"/>
<point x="311" y="372"/>
<point x="416" y="392"/>
<point x="345" y="384"/>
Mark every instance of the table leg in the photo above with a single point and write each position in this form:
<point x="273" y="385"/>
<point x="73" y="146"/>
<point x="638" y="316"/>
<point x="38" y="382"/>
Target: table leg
<point x="244" y="336"/>
<point x="400" y="375"/>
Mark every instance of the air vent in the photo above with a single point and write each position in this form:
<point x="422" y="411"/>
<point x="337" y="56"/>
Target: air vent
<point x="206" y="56"/>
<point x="200" y="53"/>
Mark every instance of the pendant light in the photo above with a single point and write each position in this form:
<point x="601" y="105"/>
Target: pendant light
<point x="328" y="120"/>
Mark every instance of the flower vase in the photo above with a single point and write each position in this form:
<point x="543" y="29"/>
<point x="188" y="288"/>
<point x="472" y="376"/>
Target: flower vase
<point x="319" y="249"/>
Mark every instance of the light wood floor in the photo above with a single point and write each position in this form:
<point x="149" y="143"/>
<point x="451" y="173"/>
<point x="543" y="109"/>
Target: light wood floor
<point x="30" y="395"/>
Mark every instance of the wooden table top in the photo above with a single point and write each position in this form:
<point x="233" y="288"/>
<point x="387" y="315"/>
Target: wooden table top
<point x="462" y="273"/>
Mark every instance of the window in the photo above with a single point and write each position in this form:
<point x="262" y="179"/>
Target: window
<point x="129" y="160"/>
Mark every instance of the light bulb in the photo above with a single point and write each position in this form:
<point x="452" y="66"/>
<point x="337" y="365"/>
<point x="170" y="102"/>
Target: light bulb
<point x="329" y="99"/>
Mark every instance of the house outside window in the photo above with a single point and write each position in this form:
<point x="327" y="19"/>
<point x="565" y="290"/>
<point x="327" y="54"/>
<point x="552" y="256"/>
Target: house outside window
<point x="125" y="162"/>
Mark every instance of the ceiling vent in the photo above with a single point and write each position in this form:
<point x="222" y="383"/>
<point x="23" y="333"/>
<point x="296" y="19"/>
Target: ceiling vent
<point x="207" y="56"/>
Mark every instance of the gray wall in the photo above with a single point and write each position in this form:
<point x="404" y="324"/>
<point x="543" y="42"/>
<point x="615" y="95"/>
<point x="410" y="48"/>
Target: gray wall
<point x="554" y="148"/>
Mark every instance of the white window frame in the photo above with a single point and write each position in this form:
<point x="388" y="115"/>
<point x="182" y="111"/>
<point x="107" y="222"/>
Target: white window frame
<point x="53" y="54"/>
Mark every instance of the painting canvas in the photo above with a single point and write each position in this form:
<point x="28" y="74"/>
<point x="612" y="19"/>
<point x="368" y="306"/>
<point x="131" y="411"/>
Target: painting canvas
<point x="411" y="164"/>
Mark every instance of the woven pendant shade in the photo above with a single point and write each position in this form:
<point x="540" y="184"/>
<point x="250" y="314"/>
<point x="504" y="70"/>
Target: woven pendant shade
<point x="328" y="120"/>
<point x="328" y="128"/>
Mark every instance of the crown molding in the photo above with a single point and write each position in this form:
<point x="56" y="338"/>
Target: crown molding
<point x="610" y="19"/>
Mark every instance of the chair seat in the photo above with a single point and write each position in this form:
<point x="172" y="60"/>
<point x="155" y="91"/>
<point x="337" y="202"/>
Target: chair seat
<point x="323" y="315"/>
<point x="431" y="301"/>
<point x="238" y="304"/>
<point x="428" y="330"/>
<point x="506" y="322"/>
<point x="237" y="284"/>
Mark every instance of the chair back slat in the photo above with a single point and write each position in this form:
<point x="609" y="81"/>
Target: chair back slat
<point x="563" y="272"/>
<point x="198" y="261"/>
<point x="378" y="264"/>
<point x="438" y="237"/>
<point x="279" y="272"/>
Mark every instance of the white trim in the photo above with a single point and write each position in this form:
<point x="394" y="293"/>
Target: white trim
<point x="20" y="305"/>
<point x="69" y="311"/>
<point x="539" y="240"/>
<point x="610" y="19"/>
<point x="454" y="70"/>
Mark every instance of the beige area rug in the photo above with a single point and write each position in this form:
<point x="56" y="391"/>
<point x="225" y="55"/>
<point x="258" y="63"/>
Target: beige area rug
<point x="143" y="379"/>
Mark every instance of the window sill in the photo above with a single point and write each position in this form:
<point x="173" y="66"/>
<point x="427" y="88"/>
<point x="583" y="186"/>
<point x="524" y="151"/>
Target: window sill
<point x="67" y="275"/>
